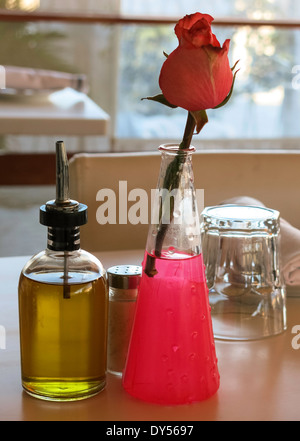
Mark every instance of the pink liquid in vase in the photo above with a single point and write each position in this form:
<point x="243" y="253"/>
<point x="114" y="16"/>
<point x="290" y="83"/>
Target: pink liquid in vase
<point x="172" y="358"/>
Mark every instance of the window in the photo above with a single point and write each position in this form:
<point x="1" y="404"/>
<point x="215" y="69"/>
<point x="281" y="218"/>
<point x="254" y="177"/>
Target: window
<point x="122" y="60"/>
<point x="266" y="99"/>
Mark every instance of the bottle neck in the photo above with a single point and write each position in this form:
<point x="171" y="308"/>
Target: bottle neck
<point x="175" y="219"/>
<point x="63" y="239"/>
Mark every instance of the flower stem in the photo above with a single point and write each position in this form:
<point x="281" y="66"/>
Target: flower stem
<point x="171" y="181"/>
<point x="172" y="177"/>
<point x="189" y="132"/>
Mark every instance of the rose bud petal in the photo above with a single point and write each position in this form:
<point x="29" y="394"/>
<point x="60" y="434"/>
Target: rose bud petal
<point x="189" y="20"/>
<point x="196" y="29"/>
<point x="196" y="75"/>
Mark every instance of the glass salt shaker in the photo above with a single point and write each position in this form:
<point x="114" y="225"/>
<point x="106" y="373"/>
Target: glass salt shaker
<point x="123" y="283"/>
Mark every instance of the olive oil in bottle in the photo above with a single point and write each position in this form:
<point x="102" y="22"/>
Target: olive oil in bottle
<point x="63" y="306"/>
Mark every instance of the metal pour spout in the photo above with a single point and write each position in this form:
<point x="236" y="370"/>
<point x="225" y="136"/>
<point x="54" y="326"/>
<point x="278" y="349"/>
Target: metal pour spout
<point x="62" y="201"/>
<point x="63" y="216"/>
<point x="62" y="175"/>
<point x="63" y="198"/>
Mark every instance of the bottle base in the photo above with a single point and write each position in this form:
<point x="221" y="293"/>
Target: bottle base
<point x="116" y="373"/>
<point x="63" y="391"/>
<point x="164" y="400"/>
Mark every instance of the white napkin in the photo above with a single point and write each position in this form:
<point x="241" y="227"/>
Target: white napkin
<point x="290" y="251"/>
<point x="290" y="243"/>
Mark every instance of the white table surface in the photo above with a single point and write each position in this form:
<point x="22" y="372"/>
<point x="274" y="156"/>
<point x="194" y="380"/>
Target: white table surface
<point x="65" y="112"/>
<point x="259" y="379"/>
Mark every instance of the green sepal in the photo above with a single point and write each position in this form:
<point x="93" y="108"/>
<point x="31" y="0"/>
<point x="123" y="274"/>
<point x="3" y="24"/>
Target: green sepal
<point x="235" y="64"/>
<point x="200" y="118"/>
<point x="160" y="99"/>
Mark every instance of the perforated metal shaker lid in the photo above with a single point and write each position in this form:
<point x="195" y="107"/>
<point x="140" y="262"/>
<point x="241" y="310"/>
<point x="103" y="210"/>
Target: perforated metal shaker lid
<point x="124" y="276"/>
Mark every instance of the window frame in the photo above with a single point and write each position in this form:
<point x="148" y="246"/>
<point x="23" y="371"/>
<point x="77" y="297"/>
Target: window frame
<point x="116" y="19"/>
<point x="25" y="169"/>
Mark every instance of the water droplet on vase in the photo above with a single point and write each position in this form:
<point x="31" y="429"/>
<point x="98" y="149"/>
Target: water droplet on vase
<point x="170" y="386"/>
<point x="177" y="214"/>
<point x="170" y="284"/>
<point x="192" y="356"/>
<point x="203" y="317"/>
<point x="193" y="290"/>
<point x="175" y="348"/>
<point x="170" y="312"/>
<point x="194" y="334"/>
<point x="214" y="375"/>
<point x="184" y="378"/>
<point x="164" y="358"/>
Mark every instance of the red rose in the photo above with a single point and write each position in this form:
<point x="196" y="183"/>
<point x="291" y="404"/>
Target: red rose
<point x="196" y="75"/>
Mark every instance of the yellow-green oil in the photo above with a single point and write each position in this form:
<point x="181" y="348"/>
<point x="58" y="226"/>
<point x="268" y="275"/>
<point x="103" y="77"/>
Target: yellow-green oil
<point x="63" y="340"/>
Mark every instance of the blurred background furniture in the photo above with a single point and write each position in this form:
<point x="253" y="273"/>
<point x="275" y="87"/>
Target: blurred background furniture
<point x="271" y="177"/>
<point x="66" y="112"/>
<point x="37" y="107"/>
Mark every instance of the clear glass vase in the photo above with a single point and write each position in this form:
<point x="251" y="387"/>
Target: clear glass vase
<point x="171" y="357"/>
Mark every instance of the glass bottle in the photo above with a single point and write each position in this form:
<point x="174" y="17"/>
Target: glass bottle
<point x="63" y="306"/>
<point x="123" y="281"/>
<point x="171" y="357"/>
